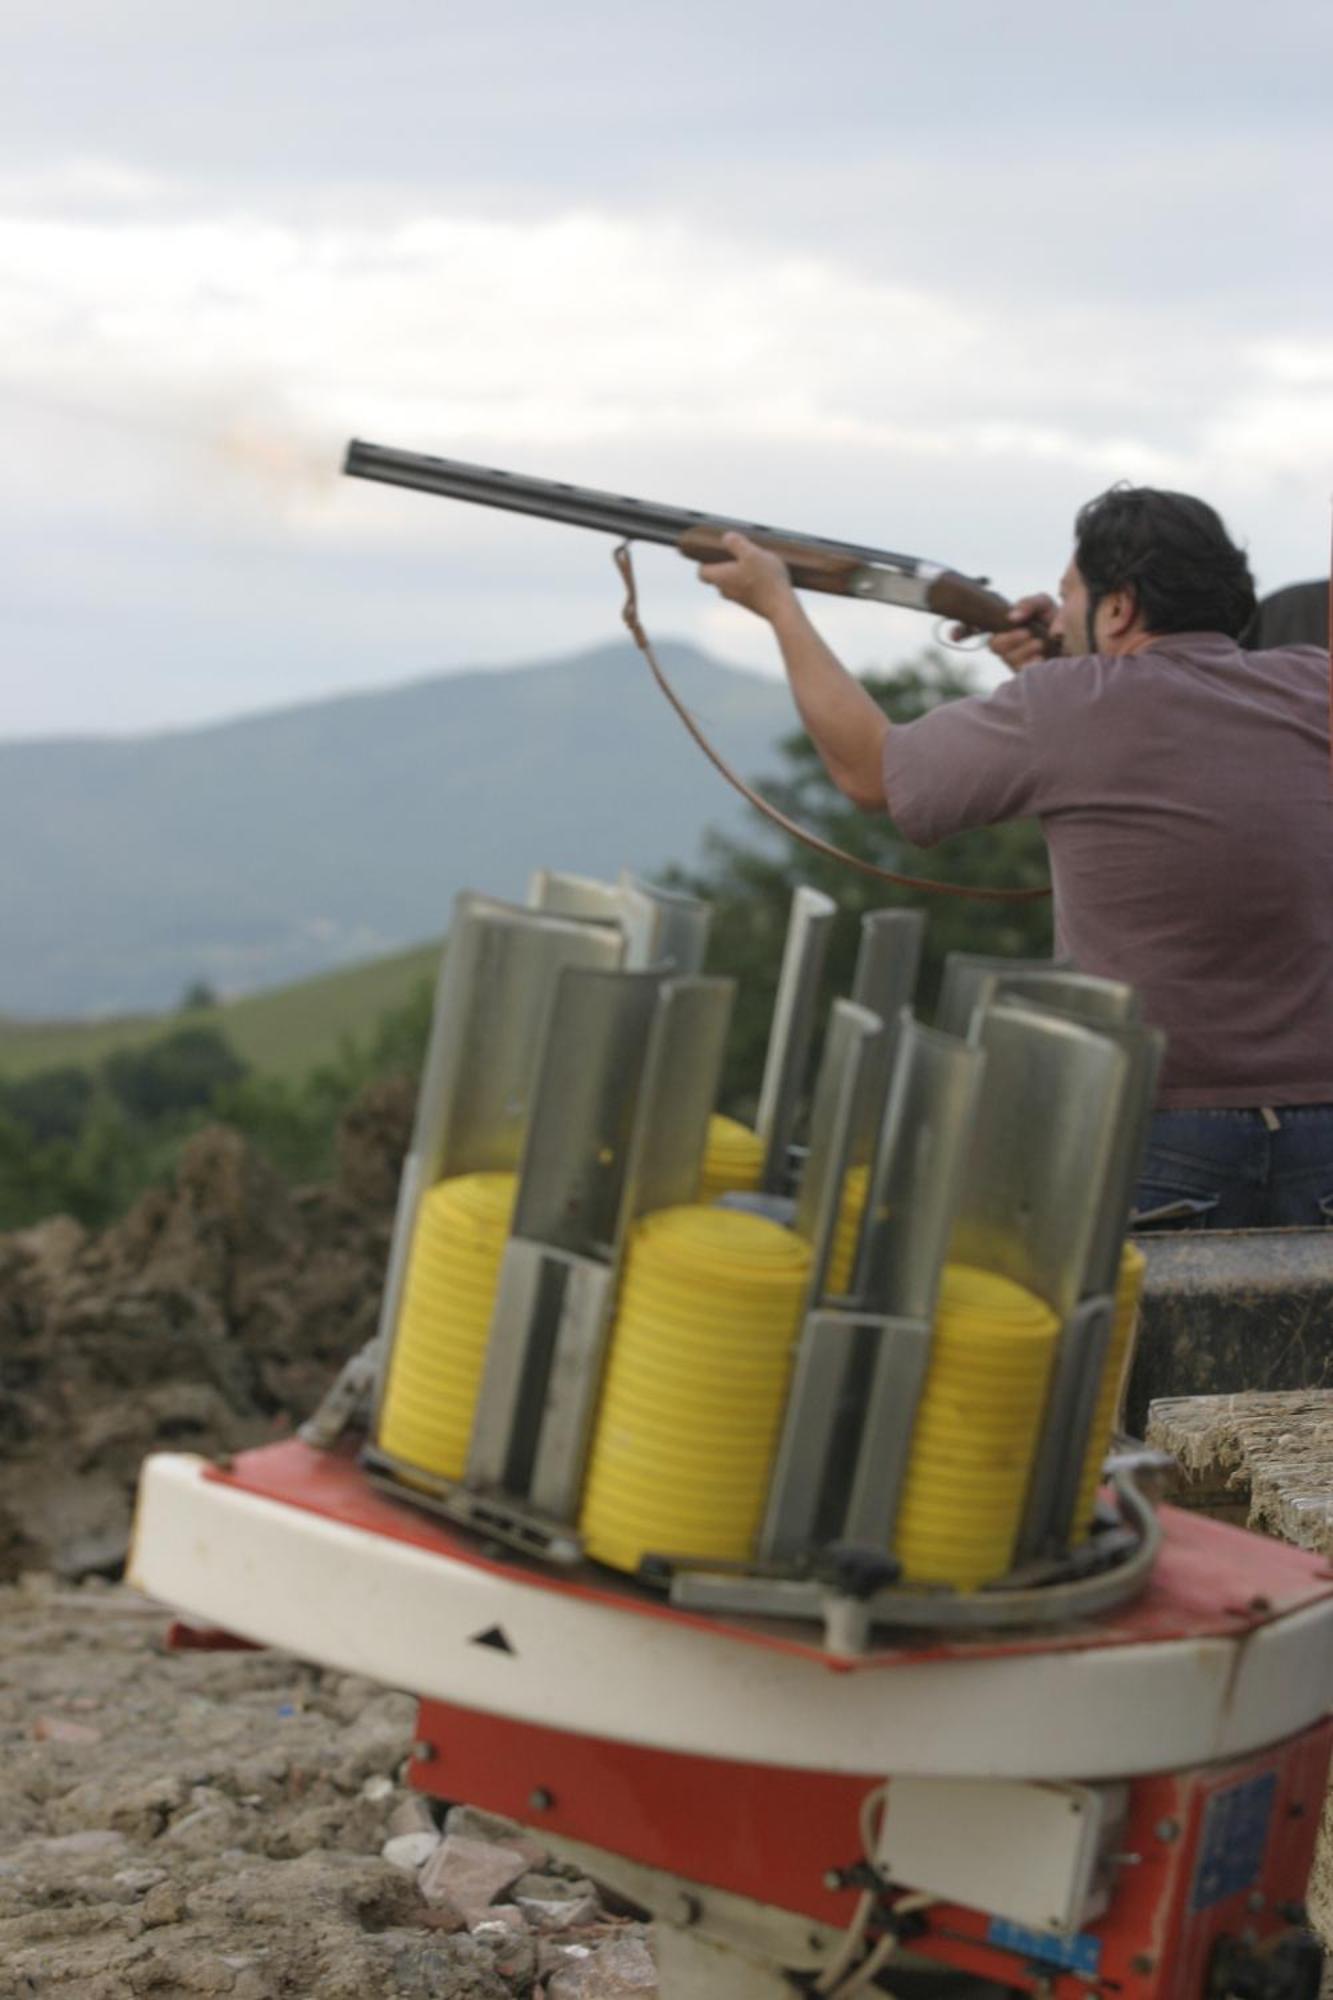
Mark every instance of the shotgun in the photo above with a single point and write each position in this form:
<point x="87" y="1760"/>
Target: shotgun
<point x="843" y="569"/>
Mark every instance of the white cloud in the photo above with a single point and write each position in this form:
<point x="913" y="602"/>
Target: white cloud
<point x="190" y="373"/>
<point x="583" y="330"/>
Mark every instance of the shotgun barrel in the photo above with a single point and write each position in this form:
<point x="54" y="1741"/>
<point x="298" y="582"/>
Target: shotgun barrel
<point x="844" y="569"/>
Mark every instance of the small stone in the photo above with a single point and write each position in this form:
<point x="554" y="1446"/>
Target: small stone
<point x="501" y="1920"/>
<point x="471" y="1823"/>
<point x="211" y="1975"/>
<point x="409" y="1851"/>
<point x="618" y="1970"/>
<point x="515" y="1960"/>
<point x="439" y="1918"/>
<point x="138" y="1881"/>
<point x="565" y="1913"/>
<point x="59" y="1729"/>
<point x="412" y="1815"/>
<point x="551" y="1956"/>
<point x="377" y="1789"/>
<point x="88" y="1840"/>
<point x="468" y="1875"/>
<point x="164" y="1904"/>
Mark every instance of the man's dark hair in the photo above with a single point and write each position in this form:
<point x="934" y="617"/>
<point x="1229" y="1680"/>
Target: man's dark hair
<point x="1172" y="552"/>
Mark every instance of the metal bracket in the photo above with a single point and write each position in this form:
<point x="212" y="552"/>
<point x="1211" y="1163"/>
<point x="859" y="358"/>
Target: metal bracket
<point x="850" y="1622"/>
<point x="629" y="1076"/>
<point x="844" y="1120"/>
<point x="661" y="928"/>
<point x="496" y="989"/>
<point x="543" y="1368"/>
<point x="1112" y="1010"/>
<point x="347" y="1398"/>
<point x="794" y="1007"/>
<point x="489" y="1515"/>
<point x="969" y="982"/>
<point x="1045" y="1144"/>
<point x="861" y="1365"/>
<point x="680" y="941"/>
<point x="917" y="1178"/>
<point x="888" y="960"/>
<point x="1080" y="1359"/>
<point x="845" y="1444"/>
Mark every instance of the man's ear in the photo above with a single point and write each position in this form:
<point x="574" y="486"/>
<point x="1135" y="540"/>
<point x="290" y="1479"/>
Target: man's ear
<point x="1120" y="610"/>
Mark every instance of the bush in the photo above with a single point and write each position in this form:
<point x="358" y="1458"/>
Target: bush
<point x="53" y="1104"/>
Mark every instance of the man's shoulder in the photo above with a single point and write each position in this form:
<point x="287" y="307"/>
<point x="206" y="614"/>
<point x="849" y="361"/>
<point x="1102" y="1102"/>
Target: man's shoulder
<point x="1303" y="660"/>
<point x="1068" y="680"/>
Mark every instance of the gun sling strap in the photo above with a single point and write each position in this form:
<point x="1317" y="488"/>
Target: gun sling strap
<point x="630" y="614"/>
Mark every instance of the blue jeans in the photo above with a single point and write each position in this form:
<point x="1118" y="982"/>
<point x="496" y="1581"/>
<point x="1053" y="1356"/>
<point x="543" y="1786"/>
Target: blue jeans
<point x="1239" y="1169"/>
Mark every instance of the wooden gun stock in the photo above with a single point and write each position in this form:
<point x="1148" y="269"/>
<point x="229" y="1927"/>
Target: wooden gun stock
<point x="945" y="591"/>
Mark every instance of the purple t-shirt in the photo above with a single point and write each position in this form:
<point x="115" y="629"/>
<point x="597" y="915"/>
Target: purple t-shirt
<point x="1185" y="797"/>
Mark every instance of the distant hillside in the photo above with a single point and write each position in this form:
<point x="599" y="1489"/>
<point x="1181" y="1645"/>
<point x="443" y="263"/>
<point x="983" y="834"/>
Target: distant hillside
<point x="260" y="852"/>
<point x="283" y="1031"/>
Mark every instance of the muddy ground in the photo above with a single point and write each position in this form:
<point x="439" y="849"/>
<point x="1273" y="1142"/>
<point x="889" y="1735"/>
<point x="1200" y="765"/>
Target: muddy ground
<point x="180" y="1823"/>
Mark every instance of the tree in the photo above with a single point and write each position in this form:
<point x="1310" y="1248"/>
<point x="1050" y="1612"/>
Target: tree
<point x="183" y="1071"/>
<point x="198" y="998"/>
<point x="749" y="882"/>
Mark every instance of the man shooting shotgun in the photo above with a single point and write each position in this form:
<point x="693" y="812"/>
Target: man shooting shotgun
<point x="1182" y="784"/>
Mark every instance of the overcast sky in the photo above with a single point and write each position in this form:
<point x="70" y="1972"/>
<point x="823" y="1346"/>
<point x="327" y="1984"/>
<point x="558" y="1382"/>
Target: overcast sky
<point x="925" y="276"/>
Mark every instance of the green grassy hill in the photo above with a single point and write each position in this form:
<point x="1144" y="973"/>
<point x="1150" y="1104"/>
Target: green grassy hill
<point x="283" y="1032"/>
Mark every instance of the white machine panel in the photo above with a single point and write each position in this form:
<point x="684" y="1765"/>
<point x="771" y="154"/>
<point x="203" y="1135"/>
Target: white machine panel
<point x="408" y="1616"/>
<point x="1034" y="1853"/>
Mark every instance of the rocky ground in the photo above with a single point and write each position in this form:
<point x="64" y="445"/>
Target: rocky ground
<point x="224" y="1823"/>
<point x="180" y="1823"/>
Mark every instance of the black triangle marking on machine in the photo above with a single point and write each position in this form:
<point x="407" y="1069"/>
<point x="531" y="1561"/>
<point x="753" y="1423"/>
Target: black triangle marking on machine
<point x="495" y="1637"/>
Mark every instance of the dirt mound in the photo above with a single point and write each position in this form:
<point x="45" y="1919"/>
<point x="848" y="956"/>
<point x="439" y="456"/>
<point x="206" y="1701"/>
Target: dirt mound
<point x="211" y="1318"/>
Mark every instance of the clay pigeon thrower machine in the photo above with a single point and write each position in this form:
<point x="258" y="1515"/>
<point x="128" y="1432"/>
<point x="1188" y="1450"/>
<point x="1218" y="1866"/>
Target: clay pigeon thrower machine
<point x="853" y="1749"/>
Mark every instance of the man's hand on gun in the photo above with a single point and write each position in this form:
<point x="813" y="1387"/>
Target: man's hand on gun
<point x="760" y="581"/>
<point x="1019" y="648"/>
<point x="754" y="577"/>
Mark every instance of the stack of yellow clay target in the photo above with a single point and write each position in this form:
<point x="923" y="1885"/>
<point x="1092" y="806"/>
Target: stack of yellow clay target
<point x="976" y="1431"/>
<point x="733" y="1158"/>
<point x="1129" y="1285"/>
<point x="846" y="1228"/>
<point x="430" y="1395"/>
<point x="692" y="1402"/>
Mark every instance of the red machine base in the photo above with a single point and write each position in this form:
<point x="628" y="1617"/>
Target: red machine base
<point x="1220" y="1852"/>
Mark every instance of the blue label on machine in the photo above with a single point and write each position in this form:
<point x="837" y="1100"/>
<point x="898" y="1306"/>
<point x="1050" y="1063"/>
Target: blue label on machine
<point x="1235" y="1834"/>
<point x="1072" y="1954"/>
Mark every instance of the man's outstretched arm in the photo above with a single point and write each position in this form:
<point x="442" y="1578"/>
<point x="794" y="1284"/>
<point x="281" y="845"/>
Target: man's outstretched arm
<point x="846" y="726"/>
